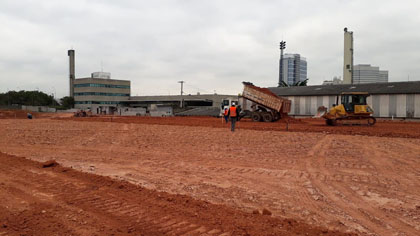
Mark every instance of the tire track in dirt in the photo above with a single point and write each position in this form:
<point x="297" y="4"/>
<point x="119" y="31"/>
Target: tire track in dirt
<point x="83" y="202"/>
<point x="374" y="220"/>
<point x="241" y="171"/>
<point x="152" y="221"/>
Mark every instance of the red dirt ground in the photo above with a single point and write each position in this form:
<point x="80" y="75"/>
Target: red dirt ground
<point x="61" y="201"/>
<point x="382" y="128"/>
<point x="367" y="184"/>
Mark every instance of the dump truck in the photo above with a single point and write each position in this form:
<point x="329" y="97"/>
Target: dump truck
<point x="353" y="108"/>
<point x="265" y="105"/>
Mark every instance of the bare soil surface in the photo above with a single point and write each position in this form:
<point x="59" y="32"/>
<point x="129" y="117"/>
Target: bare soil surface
<point x="383" y="128"/>
<point x="367" y="184"/>
<point x="53" y="200"/>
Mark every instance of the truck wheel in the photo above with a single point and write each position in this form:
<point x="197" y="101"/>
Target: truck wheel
<point x="267" y="117"/>
<point x="276" y="117"/>
<point x="256" y="116"/>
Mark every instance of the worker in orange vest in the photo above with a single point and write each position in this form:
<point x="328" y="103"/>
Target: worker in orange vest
<point x="225" y="115"/>
<point x="233" y="114"/>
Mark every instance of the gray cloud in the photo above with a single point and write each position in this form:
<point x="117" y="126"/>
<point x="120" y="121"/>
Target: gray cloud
<point x="213" y="45"/>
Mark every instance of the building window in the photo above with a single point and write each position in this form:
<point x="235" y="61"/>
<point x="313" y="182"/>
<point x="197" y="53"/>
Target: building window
<point x="102" y="86"/>
<point x="102" y="94"/>
<point x="96" y="102"/>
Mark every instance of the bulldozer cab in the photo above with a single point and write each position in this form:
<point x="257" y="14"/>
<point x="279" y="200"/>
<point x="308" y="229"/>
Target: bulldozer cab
<point x="350" y="100"/>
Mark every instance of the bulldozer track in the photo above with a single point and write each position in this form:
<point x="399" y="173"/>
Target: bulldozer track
<point x="80" y="200"/>
<point x="371" y="222"/>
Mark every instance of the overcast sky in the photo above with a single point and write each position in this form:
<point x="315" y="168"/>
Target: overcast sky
<point x="212" y="45"/>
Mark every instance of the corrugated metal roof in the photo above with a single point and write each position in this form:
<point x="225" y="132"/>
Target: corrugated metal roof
<point x="374" y="88"/>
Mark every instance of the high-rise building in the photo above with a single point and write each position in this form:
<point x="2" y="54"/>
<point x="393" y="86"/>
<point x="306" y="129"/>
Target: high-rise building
<point x="365" y="73"/>
<point x="294" y="69"/>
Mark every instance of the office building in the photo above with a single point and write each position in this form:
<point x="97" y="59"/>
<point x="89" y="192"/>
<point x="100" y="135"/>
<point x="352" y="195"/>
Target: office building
<point x="294" y="69"/>
<point x="364" y="73"/>
<point x="100" y="93"/>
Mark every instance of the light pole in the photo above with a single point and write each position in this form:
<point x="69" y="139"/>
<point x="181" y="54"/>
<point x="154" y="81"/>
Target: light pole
<point x="182" y="92"/>
<point x="282" y="47"/>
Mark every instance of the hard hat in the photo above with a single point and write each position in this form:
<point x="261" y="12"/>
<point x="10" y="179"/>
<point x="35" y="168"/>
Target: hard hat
<point x="233" y="103"/>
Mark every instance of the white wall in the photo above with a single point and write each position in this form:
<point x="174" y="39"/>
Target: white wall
<point x="417" y="105"/>
<point x="384" y="105"/>
<point x="292" y="107"/>
<point x="302" y="106"/>
<point x="313" y="104"/>
<point x="401" y="105"/>
<point x="326" y="101"/>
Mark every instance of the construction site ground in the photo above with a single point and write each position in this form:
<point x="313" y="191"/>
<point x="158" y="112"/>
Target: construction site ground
<point x="192" y="176"/>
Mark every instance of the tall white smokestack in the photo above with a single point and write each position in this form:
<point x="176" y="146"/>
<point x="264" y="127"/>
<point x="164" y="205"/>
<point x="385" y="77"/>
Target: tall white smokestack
<point x="348" y="57"/>
<point x="71" y="71"/>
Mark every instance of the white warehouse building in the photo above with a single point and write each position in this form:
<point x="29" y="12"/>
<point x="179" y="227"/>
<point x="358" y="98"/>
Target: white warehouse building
<point x="396" y="99"/>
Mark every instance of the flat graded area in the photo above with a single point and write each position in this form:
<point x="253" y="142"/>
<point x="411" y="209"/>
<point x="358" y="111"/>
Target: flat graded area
<point x="404" y="129"/>
<point x="336" y="179"/>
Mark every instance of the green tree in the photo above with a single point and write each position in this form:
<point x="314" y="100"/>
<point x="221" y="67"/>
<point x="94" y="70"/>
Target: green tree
<point x="28" y="98"/>
<point x="67" y="102"/>
<point x="299" y="83"/>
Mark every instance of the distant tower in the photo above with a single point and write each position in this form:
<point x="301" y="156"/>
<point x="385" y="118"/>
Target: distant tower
<point x="71" y="71"/>
<point x="348" y="57"/>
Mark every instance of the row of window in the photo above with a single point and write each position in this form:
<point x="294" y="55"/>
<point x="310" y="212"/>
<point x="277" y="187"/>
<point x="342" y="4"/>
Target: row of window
<point x="102" y="94"/>
<point x="102" y="86"/>
<point x="95" y="102"/>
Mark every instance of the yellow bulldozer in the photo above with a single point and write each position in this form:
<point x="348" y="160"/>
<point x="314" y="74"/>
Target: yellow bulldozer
<point x="352" y="110"/>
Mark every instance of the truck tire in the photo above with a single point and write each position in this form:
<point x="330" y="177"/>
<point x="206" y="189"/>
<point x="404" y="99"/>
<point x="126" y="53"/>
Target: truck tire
<point x="276" y="116"/>
<point x="267" y="117"/>
<point x="256" y="116"/>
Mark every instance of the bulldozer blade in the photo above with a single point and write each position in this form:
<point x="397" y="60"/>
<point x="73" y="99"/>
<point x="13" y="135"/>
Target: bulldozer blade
<point x="321" y="111"/>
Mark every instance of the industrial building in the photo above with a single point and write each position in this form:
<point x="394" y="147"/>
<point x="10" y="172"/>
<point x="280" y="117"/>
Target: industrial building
<point x="98" y="93"/>
<point x="294" y="68"/>
<point x="365" y="73"/>
<point x="395" y="99"/>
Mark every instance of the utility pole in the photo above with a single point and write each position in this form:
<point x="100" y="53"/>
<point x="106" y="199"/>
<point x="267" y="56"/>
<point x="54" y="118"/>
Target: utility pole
<point x="282" y="47"/>
<point x="182" y="92"/>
